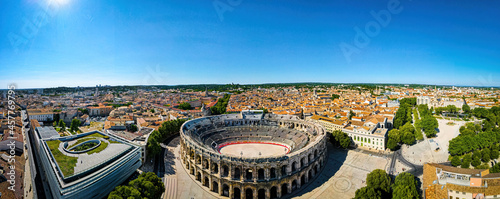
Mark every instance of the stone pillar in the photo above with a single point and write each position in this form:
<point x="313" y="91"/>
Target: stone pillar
<point x="231" y="191"/>
<point x="230" y="172"/>
<point x="219" y="168"/>
<point x="278" y="190"/>
<point x="220" y="187"/>
<point x="267" y="174"/>
<point x="268" y="193"/>
<point x="278" y="172"/>
<point x="210" y="185"/>
<point x="255" y="174"/>
<point x="290" y="186"/>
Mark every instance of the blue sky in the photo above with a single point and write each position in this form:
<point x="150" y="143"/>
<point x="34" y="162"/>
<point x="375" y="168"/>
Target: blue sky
<point x="170" y="42"/>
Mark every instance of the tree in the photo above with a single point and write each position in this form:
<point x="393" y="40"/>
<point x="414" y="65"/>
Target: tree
<point x="455" y="161"/>
<point x="466" y="161"/>
<point x="379" y="179"/>
<point x="392" y="144"/>
<point x="477" y="154"/>
<point x="395" y="135"/>
<point x="494" y="152"/>
<point x="153" y="146"/>
<point x="335" y="96"/>
<point x="486" y="155"/>
<point x="149" y="185"/>
<point x="351" y="114"/>
<point x="75" y="123"/>
<point x="495" y="168"/>
<point x="220" y="106"/>
<point x="466" y="108"/>
<point x="342" y="139"/>
<point x="62" y="125"/>
<point x="121" y="192"/>
<point x="394" y="139"/>
<point x="185" y="106"/>
<point x="430" y="133"/>
<point x="407" y="133"/>
<point x="166" y="130"/>
<point x="133" y="128"/>
<point x="476" y="161"/>
<point x="368" y="193"/>
<point x="405" y="187"/>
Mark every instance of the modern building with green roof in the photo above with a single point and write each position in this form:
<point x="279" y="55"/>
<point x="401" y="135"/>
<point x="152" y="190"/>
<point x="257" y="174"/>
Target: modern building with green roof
<point x="87" y="165"/>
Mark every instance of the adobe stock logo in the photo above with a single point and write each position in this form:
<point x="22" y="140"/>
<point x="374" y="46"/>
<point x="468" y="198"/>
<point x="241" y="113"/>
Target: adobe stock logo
<point x="372" y="29"/>
<point x="222" y="6"/>
<point x="20" y="40"/>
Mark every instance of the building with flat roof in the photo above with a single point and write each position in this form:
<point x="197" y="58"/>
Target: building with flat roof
<point x="441" y="181"/>
<point x="40" y="115"/>
<point x="87" y="165"/>
<point x="369" y="134"/>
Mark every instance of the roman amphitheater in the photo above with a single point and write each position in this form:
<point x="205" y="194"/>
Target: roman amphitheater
<point x="253" y="155"/>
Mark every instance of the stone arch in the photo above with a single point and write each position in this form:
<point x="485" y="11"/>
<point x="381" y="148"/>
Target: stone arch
<point x="274" y="192"/>
<point x="206" y="182"/>
<point x="303" y="162"/>
<point x="273" y="173"/>
<point x="191" y="170"/>
<point x="310" y="173"/>
<point x="284" y="189"/>
<point x="315" y="153"/>
<point x="249" y="193"/>
<point x="225" y="171"/>
<point x="215" y="167"/>
<point x="237" y="173"/>
<point x="260" y="174"/>
<point x="303" y="179"/>
<point x="215" y="187"/>
<point x="205" y="164"/>
<point x="283" y="170"/>
<point x="261" y="194"/>
<point x="316" y="169"/>
<point x="310" y="157"/>
<point x="248" y="174"/>
<point x="294" y="166"/>
<point x="236" y="193"/>
<point x="198" y="159"/>
<point x="198" y="176"/>
<point x="225" y="190"/>
<point x="294" y="185"/>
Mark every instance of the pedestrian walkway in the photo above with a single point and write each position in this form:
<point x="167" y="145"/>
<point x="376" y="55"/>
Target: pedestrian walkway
<point x="170" y="187"/>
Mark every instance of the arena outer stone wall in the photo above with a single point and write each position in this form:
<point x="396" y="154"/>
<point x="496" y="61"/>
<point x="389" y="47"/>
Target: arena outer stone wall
<point x="264" y="177"/>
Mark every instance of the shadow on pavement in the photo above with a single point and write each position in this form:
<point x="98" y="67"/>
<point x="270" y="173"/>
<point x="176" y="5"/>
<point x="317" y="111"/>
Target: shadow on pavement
<point x="335" y="159"/>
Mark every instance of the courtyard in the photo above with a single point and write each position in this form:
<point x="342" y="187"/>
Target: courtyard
<point x="425" y="151"/>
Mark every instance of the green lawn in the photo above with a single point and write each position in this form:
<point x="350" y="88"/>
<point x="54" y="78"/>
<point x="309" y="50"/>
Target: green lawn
<point x="66" y="163"/>
<point x="80" y="141"/>
<point x="98" y="149"/>
<point x="90" y="137"/>
<point x="112" y="141"/>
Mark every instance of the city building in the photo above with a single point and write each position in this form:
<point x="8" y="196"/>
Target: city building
<point x="100" y="111"/>
<point x="40" y="115"/>
<point x="441" y="181"/>
<point x="368" y="134"/>
<point x="71" y="169"/>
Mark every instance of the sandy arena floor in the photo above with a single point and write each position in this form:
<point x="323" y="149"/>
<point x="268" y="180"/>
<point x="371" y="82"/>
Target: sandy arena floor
<point x="251" y="150"/>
